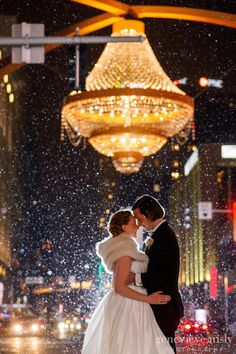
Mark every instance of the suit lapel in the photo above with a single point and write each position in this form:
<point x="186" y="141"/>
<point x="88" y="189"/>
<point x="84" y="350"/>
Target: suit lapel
<point x="158" y="231"/>
<point x="155" y="237"/>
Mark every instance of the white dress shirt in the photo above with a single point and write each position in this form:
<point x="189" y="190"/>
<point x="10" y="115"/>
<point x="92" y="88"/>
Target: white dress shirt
<point x="138" y="279"/>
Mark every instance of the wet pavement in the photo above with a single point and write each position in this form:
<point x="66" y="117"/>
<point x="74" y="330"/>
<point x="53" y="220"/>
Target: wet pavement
<point x="47" y="345"/>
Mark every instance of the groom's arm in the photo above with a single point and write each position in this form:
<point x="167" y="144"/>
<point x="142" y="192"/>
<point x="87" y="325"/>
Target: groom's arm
<point x="141" y="279"/>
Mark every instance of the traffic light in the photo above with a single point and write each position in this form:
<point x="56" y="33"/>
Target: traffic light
<point x="187" y="218"/>
<point x="77" y="67"/>
<point x="100" y="273"/>
<point x="71" y="67"/>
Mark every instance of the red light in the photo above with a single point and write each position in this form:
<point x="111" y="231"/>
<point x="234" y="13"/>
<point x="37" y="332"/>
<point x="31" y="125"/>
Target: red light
<point x="60" y="309"/>
<point x="234" y="221"/>
<point x="196" y="325"/>
<point x="203" y="81"/>
<point x="229" y="289"/>
<point x="205" y="327"/>
<point x="213" y="282"/>
<point x="187" y="326"/>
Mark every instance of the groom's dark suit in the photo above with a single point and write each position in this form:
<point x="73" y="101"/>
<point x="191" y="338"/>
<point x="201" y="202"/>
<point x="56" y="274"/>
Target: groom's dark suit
<point x="162" y="275"/>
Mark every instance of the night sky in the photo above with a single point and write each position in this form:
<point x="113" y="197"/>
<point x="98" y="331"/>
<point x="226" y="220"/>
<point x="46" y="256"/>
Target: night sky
<point x="64" y="190"/>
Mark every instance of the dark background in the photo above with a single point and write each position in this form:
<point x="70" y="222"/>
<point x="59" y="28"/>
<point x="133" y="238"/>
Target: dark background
<point x="63" y="190"/>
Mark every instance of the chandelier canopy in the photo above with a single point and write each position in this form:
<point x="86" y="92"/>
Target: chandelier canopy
<point x="130" y="106"/>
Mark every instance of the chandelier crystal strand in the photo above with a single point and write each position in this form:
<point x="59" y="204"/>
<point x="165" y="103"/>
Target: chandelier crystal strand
<point x="130" y="107"/>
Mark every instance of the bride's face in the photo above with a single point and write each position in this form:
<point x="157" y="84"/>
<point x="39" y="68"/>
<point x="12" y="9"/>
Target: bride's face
<point x="132" y="227"/>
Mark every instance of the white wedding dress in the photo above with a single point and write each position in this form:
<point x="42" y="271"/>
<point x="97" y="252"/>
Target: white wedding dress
<point x="121" y="325"/>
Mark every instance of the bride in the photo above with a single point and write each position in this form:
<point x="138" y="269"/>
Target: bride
<point x="123" y="322"/>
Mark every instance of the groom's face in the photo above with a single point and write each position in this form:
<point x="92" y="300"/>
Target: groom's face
<point x="142" y="220"/>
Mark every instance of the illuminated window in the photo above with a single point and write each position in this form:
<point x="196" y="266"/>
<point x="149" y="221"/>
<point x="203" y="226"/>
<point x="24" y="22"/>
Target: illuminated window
<point x="228" y="151"/>
<point x="11" y="98"/>
<point x="8" y="88"/>
<point x="5" y="78"/>
<point x="156" y="187"/>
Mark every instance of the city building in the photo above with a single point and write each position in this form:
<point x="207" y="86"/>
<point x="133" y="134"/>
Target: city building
<point x="201" y="210"/>
<point x="10" y="191"/>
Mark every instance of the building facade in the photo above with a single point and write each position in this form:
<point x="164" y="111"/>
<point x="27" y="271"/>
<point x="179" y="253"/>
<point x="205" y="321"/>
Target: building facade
<point x="206" y="238"/>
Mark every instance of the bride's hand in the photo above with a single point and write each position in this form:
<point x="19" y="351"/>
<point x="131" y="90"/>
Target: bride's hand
<point x="158" y="298"/>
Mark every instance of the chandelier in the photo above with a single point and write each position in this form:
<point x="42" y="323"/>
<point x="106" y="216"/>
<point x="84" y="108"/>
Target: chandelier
<point x="130" y="107"/>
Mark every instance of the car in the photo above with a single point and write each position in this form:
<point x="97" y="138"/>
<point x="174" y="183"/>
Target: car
<point x="72" y="323"/>
<point x="19" y="320"/>
<point x="192" y="327"/>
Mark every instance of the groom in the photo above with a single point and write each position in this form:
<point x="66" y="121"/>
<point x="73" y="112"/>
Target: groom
<point x="163" y="268"/>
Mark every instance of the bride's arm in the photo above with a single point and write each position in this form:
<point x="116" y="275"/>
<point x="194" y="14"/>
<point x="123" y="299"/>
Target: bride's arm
<point x="122" y="270"/>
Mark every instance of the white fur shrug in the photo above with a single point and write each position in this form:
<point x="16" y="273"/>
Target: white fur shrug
<point x="113" y="248"/>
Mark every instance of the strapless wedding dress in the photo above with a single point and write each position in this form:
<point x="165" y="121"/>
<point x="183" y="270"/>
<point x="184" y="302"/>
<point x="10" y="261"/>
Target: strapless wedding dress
<point x="121" y="325"/>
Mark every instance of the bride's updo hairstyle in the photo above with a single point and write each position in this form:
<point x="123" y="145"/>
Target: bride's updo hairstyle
<point x="116" y="221"/>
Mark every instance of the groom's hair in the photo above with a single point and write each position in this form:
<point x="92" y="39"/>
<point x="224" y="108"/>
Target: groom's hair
<point x="150" y="207"/>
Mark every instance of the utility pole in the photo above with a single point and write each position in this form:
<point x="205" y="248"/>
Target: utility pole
<point x="28" y="39"/>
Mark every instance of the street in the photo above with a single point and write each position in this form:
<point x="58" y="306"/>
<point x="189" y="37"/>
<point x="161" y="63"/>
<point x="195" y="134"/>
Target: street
<point x="35" y="345"/>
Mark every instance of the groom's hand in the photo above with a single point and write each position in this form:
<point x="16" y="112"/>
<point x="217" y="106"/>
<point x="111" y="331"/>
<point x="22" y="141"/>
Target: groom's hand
<point x="131" y="278"/>
<point x="158" y="298"/>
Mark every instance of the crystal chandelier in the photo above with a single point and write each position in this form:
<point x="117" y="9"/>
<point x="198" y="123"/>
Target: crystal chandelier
<point x="130" y="106"/>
